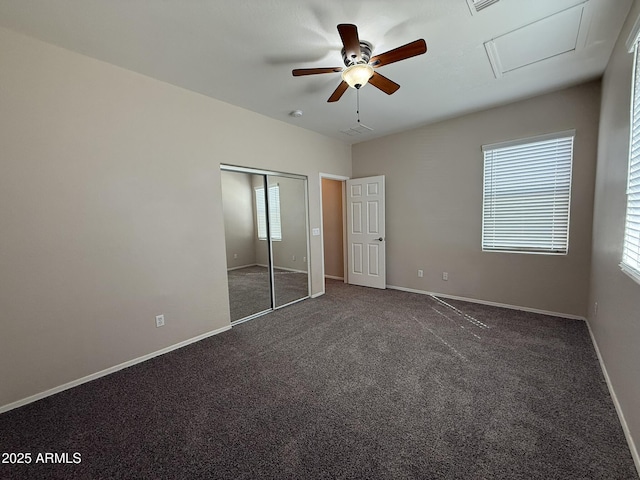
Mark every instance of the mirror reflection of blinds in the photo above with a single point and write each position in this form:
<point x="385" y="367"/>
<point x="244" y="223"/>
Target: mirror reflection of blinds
<point x="631" y="245"/>
<point x="261" y="213"/>
<point x="527" y="193"/>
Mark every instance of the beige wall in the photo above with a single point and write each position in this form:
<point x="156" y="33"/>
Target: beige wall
<point x="110" y="201"/>
<point x="239" y="224"/>
<point x="332" y="227"/>
<point x="616" y="326"/>
<point x="434" y="204"/>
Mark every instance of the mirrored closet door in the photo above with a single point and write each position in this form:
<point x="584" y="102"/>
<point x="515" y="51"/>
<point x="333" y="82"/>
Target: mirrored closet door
<point x="266" y="234"/>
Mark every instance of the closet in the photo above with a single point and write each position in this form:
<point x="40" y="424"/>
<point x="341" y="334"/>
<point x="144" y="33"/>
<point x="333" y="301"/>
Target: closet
<point x="266" y="237"/>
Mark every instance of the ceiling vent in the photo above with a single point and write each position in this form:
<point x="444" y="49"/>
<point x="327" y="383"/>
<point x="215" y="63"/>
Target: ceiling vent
<point x="357" y="130"/>
<point x="477" y="5"/>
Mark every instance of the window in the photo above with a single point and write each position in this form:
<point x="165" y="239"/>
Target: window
<point x="527" y="192"/>
<point x="631" y="245"/>
<point x="261" y="213"/>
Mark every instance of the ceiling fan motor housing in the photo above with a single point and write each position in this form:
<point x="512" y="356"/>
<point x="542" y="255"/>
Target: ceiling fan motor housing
<point x="365" y="54"/>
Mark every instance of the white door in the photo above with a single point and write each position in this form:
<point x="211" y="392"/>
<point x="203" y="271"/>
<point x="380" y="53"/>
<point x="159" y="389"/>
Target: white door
<point x="365" y="232"/>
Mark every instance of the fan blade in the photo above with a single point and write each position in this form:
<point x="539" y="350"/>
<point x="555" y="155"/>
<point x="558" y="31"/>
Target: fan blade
<point x="335" y="96"/>
<point x="314" y="71"/>
<point x="349" y="35"/>
<point x="383" y="83"/>
<point x="401" y="53"/>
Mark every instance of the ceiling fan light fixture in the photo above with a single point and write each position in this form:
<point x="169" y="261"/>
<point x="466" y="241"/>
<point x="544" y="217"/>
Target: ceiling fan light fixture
<point x="357" y="75"/>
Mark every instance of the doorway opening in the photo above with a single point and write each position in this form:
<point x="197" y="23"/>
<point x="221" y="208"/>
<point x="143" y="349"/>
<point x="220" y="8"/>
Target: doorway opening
<point x="334" y="253"/>
<point x="353" y="230"/>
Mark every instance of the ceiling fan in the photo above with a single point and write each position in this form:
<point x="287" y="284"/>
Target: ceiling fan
<point x="359" y="65"/>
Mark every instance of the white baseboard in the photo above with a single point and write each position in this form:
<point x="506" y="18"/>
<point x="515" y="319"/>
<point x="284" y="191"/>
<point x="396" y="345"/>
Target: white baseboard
<point x="282" y="268"/>
<point x="242" y="266"/>
<point x="333" y="277"/>
<point x="616" y="403"/>
<point x="107" y="371"/>
<point x="316" y="295"/>
<point x="290" y="270"/>
<point x="492" y="304"/>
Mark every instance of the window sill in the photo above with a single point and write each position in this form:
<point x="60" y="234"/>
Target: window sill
<point x="526" y="252"/>
<point x="630" y="272"/>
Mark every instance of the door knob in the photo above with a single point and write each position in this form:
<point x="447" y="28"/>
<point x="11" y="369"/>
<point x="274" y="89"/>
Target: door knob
<point x="379" y="239"/>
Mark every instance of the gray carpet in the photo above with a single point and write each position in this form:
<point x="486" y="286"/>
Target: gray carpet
<point x="358" y="383"/>
<point x="249" y="291"/>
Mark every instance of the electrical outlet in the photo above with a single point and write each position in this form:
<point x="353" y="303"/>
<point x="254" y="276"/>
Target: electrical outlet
<point x="445" y="276"/>
<point x="420" y="273"/>
<point x="304" y="259"/>
<point x="595" y="309"/>
<point x="159" y="320"/>
<point x="235" y="255"/>
<point x="293" y="257"/>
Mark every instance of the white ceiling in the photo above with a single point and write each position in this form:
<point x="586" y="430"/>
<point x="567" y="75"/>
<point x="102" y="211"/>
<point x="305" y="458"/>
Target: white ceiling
<point x="242" y="51"/>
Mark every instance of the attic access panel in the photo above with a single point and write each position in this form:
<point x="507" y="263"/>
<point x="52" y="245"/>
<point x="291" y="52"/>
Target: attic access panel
<point x="555" y="35"/>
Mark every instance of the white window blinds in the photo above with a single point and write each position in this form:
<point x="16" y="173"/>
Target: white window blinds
<point x="527" y="194"/>
<point x="631" y="246"/>
<point x="274" y="208"/>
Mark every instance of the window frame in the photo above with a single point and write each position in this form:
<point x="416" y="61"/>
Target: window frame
<point x="489" y="202"/>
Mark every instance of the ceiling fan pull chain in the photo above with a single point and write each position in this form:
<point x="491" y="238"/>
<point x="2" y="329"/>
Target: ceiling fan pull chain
<point x="358" y="104"/>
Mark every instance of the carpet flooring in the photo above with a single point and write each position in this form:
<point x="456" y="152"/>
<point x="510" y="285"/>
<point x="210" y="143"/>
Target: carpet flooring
<point x="249" y="291"/>
<point x="358" y="383"/>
